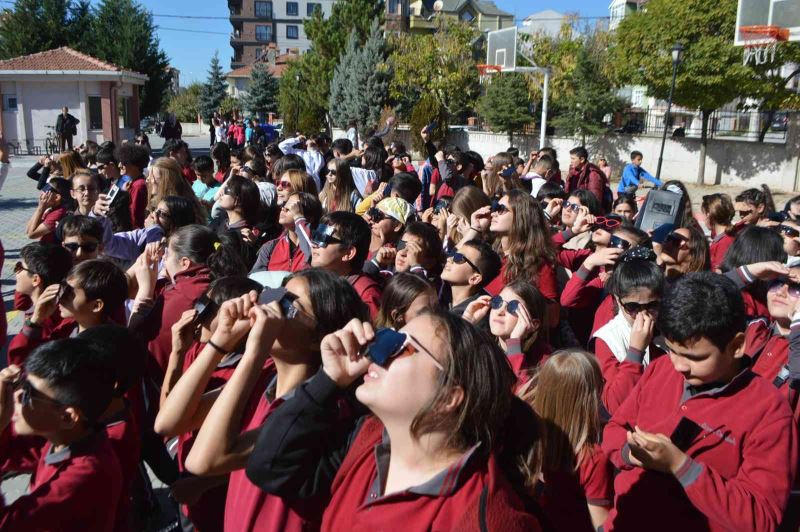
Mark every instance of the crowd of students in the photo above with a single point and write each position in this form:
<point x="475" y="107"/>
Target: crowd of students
<point x="326" y="336"/>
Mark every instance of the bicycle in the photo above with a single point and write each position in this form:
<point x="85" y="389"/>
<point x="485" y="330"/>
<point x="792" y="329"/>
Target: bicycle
<point x="51" y="141"/>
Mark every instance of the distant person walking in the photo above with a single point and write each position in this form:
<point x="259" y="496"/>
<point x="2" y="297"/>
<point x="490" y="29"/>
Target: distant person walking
<point x="66" y="128"/>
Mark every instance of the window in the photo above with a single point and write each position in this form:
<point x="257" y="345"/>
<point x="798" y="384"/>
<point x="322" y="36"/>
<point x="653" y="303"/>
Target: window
<point x="467" y="16"/>
<point x="264" y="33"/>
<point x="393" y="4"/>
<point x="95" y="113"/>
<point x="259" y="52"/>
<point x="291" y="32"/>
<point x="9" y="102"/>
<point x="291" y="9"/>
<point x="124" y="111"/>
<point x="311" y="7"/>
<point x="264" y="9"/>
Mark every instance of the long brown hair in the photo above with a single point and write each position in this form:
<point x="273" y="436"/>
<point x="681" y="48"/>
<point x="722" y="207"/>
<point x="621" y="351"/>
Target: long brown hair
<point x="301" y="181"/>
<point x="565" y="394"/>
<point x="172" y="183"/>
<point x="718" y="209"/>
<point x="70" y="162"/>
<point x="400" y="292"/>
<point x="530" y="245"/>
<point x="337" y="197"/>
<point x="699" y="252"/>
<point x="466" y="201"/>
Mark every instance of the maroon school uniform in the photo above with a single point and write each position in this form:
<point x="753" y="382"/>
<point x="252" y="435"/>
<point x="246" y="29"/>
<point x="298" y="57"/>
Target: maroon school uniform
<point x="546" y="281"/>
<point x="138" y="194"/>
<point x="755" y="300"/>
<point x="770" y="351"/>
<point x="51" y="219"/>
<point x="29" y="338"/>
<point x="75" y="489"/>
<point x="742" y="449"/>
<point x="468" y="495"/>
<point x="287" y="257"/>
<point x="620" y="378"/>
<point x="522" y="362"/>
<point x="369" y="290"/>
<point x="605" y="313"/>
<point x="172" y="300"/>
<point x="718" y="247"/>
<point x="564" y="495"/>
<point x="3" y="320"/>
<point x="582" y="296"/>
<point x="188" y="174"/>
<point x="126" y="441"/>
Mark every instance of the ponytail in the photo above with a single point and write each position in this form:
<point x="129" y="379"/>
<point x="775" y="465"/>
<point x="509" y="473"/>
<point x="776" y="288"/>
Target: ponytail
<point x="201" y="245"/>
<point x="757" y="197"/>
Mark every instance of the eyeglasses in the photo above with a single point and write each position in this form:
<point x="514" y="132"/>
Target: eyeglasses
<point x="745" y="214"/>
<point x="499" y="208"/>
<point x="675" y="238"/>
<point x="607" y="223"/>
<point x="569" y="206"/>
<point x="632" y="307"/>
<point x="164" y="214"/>
<point x="460" y="258"/>
<point x="29" y="393"/>
<point x="284" y="184"/>
<point x="323" y="236"/>
<point x="389" y="344"/>
<point x="206" y="308"/>
<point x="497" y="303"/>
<point x="331" y="171"/>
<point x="617" y="242"/>
<point x="88" y="247"/>
<point x="791" y="232"/>
<point x="792" y="288"/>
<point x="375" y="214"/>
<point x="18" y="267"/>
<point x="226" y="191"/>
<point x="83" y="188"/>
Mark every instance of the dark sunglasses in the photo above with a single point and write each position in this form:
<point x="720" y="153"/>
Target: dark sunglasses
<point x="88" y="247"/>
<point x="164" y="214"/>
<point x="497" y="303"/>
<point x="206" y="309"/>
<point x="226" y="191"/>
<point x="460" y="258"/>
<point x="401" y="245"/>
<point x="607" y="223"/>
<point x="792" y="288"/>
<point x="18" y="267"/>
<point x="375" y="214"/>
<point x="389" y="344"/>
<point x="29" y="393"/>
<point x="331" y="171"/>
<point x="323" y="236"/>
<point x="617" y="242"/>
<point x="675" y="238"/>
<point x="285" y="301"/>
<point x="65" y="292"/>
<point x="634" y="308"/>
<point x="283" y="184"/>
<point x="569" y="206"/>
<point x="744" y="214"/>
<point x="498" y="207"/>
<point x="791" y="232"/>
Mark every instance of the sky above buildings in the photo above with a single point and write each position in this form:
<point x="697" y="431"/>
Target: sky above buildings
<point x="190" y="42"/>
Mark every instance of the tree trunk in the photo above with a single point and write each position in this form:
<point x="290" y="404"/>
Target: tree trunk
<point x="510" y="138"/>
<point x="701" y="171"/>
<point x="766" y="125"/>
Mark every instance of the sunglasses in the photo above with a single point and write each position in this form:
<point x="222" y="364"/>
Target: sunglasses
<point x="744" y="214"/>
<point x="499" y="208"/>
<point x="375" y="214"/>
<point x="18" y="267"/>
<point x="65" y="292"/>
<point x="791" y="232"/>
<point x="323" y="236"/>
<point x="460" y="258"/>
<point x="401" y="245"/>
<point x="285" y="301"/>
<point x="569" y="206"/>
<point x="284" y="184"/>
<point x="83" y="188"/>
<point x="226" y="191"/>
<point x="497" y="303"/>
<point x="675" y="239"/>
<point x="607" y="223"/>
<point x="164" y="214"/>
<point x="206" y="309"/>
<point x="331" y="171"/>
<point x="73" y="247"/>
<point x="617" y="242"/>
<point x="634" y="308"/>
<point x="30" y="394"/>
<point x="440" y="205"/>
<point x="792" y="288"/>
<point x="389" y="344"/>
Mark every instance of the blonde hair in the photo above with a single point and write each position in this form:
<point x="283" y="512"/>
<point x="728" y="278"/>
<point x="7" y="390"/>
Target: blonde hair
<point x="172" y="183"/>
<point x="565" y="394"/>
<point x="70" y="162"/>
<point x="301" y="181"/>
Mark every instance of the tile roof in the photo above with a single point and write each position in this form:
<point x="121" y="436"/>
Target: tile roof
<point x="63" y="58"/>
<point x="277" y="70"/>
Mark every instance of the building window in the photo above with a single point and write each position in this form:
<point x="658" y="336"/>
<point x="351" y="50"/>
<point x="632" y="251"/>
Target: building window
<point x="264" y="9"/>
<point x="467" y="16"/>
<point x="9" y="102"/>
<point x="124" y="111"/>
<point x="264" y="33"/>
<point x="291" y="32"/>
<point x="291" y="9"/>
<point x="311" y="7"/>
<point x="95" y="113"/>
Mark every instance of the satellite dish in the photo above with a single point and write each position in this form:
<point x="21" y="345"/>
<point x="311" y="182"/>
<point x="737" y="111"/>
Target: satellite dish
<point x="438" y="5"/>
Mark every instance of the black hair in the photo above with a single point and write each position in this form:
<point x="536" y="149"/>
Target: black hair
<point x="588" y="200"/>
<point x="272" y="150"/>
<point x="343" y="146"/>
<point x="310" y="206"/>
<point x="106" y="156"/>
<point x="76" y="372"/>
<point x="247" y="196"/>
<point x="514" y="152"/>
<point x="580" y="152"/>
<point x="397" y="296"/>
<point x="133" y="154"/>
<point x="122" y="350"/>
<point x="333" y="299"/>
<point x="290" y="161"/>
<point x="259" y="166"/>
<point x="181" y="213"/>
<point x="633" y="274"/>
<point x="353" y="231"/>
<point x="635" y="154"/>
<point x="174" y="146"/>
<point x="640" y="237"/>
<point x="550" y="190"/>
<point x="322" y="138"/>
<point x="101" y="279"/>
<point x="225" y="288"/>
<point x="62" y="188"/>
<point x="756" y="197"/>
<point x="475" y="160"/>
<point x="628" y="200"/>
<point x="374" y="158"/>
<point x="374" y="141"/>
<point x="79" y="225"/>
<point x="49" y="261"/>
<point x="431" y="245"/>
<point x="407" y="185"/>
<point x="754" y="244"/>
<point x="203" y="164"/>
<point x="702" y="305"/>
<point x="489" y="262"/>
<point x="221" y="153"/>
<point x="201" y="245"/>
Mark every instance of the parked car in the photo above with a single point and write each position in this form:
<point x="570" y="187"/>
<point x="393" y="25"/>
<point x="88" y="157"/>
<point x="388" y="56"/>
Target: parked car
<point x="147" y="125"/>
<point x="780" y="122"/>
<point x="631" y="127"/>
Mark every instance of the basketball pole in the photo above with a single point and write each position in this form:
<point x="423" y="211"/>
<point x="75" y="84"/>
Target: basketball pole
<point x="545" y="97"/>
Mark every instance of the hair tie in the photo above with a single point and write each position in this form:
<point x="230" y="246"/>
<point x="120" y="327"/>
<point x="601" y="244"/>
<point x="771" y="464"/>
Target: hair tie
<point x="217" y="245"/>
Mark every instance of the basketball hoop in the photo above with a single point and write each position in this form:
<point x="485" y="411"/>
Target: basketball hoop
<point x="761" y="43"/>
<point x="487" y="71"/>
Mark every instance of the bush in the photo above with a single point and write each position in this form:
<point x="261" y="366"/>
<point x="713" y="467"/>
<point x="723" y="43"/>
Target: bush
<point x="427" y="110"/>
<point x="185" y="103"/>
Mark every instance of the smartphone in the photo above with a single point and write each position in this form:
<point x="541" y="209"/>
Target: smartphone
<point x="508" y="172"/>
<point x="114" y="190"/>
<point x="685" y="433"/>
<point x="430" y="127"/>
<point x="284" y="299"/>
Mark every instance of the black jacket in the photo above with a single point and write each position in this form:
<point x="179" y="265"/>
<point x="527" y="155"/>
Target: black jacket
<point x="67" y="125"/>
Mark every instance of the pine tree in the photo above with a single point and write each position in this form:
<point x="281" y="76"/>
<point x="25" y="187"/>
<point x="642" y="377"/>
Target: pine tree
<point x="506" y="104"/>
<point x="35" y="26"/>
<point x="124" y="34"/>
<point x="214" y="90"/>
<point x="360" y="84"/>
<point x="262" y="97"/>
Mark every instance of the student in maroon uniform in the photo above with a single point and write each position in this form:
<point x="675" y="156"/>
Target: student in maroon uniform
<point x="467" y="270"/>
<point x="54" y="404"/>
<point x="790" y="232"/>
<point x="340" y="244"/>
<point x="282" y="351"/>
<point x="405" y="296"/>
<point x="419" y="251"/>
<point x="576" y="485"/>
<point x="52" y="208"/>
<point x="291" y="251"/>
<point x="718" y="210"/>
<point x="133" y="159"/>
<point x="753" y="205"/>
<point x="685" y="250"/>
<point x="516" y="318"/>
<point x="703" y="435"/>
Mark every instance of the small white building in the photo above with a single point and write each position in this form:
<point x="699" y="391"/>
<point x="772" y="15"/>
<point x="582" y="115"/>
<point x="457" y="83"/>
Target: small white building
<point x="34" y="88"/>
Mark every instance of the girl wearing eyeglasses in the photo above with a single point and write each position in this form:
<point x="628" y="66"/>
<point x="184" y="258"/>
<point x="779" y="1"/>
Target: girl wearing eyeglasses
<point x="339" y="192"/>
<point x="516" y="318"/>
<point x="426" y="455"/>
<point x="624" y="346"/>
<point x="754" y="205"/>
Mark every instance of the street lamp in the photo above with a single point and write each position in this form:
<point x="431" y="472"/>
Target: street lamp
<point x="677" y="51"/>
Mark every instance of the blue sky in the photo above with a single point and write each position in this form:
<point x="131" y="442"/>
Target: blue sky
<point x="190" y="43"/>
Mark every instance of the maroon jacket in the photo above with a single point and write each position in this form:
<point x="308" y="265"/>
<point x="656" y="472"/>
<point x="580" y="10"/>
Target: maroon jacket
<point x="369" y="290"/>
<point x="590" y="177"/>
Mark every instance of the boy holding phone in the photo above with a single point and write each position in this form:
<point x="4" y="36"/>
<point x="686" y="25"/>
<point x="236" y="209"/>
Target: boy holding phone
<point x="702" y="442"/>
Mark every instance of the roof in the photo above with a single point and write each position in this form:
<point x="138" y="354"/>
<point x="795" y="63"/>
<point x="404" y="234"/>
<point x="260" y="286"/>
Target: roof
<point x="62" y="59"/>
<point x="486" y="7"/>
<point x="277" y="70"/>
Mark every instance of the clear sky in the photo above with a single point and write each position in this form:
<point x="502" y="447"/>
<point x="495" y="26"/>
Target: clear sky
<point x="190" y="43"/>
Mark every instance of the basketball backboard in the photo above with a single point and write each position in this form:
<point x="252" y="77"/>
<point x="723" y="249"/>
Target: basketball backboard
<point x="781" y="13"/>
<point x="501" y="49"/>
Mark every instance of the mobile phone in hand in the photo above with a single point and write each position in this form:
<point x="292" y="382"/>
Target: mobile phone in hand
<point x="430" y="127"/>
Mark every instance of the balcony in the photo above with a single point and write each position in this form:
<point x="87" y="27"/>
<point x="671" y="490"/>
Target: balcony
<point x="236" y="63"/>
<point x="239" y="39"/>
<point x="235" y="4"/>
